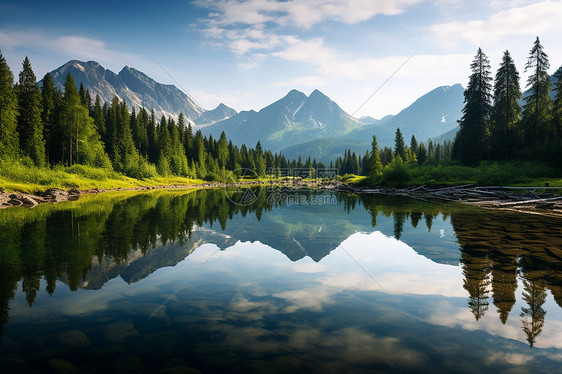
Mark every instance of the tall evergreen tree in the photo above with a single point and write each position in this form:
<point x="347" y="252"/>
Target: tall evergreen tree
<point x="188" y="142"/>
<point x="472" y="138"/>
<point x="30" y="124"/>
<point x="536" y="110"/>
<point x="557" y="116"/>
<point x="99" y="120"/>
<point x="82" y="142"/>
<point x="399" y="144"/>
<point x="51" y="128"/>
<point x="506" y="109"/>
<point x="375" y="164"/>
<point x="414" y="145"/>
<point x="152" y="136"/>
<point x="222" y="150"/>
<point x="9" y="141"/>
<point x="141" y="140"/>
<point x="421" y="154"/>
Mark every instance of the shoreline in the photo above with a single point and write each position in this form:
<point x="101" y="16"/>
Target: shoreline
<point x="493" y="198"/>
<point x="56" y="195"/>
<point x="534" y="201"/>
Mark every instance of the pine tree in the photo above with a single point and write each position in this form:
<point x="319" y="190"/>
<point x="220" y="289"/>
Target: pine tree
<point x="386" y="155"/>
<point x="399" y="145"/>
<point x="222" y="150"/>
<point x="557" y="104"/>
<point x="375" y="164"/>
<point x="141" y="141"/>
<point x="188" y="142"/>
<point x="414" y="145"/>
<point x="421" y="154"/>
<point x="51" y="128"/>
<point x="99" y="120"/>
<point x="557" y="117"/>
<point x="430" y="151"/>
<point x="9" y="141"/>
<point x="536" y="110"/>
<point x="30" y="124"/>
<point x="506" y="109"/>
<point x="82" y="142"/>
<point x="152" y="136"/>
<point x="471" y="141"/>
<point x="84" y="97"/>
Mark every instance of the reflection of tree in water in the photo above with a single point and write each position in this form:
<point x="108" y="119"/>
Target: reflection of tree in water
<point x="415" y="218"/>
<point x="8" y="288"/>
<point x="476" y="271"/>
<point x="529" y="246"/>
<point x="534" y="294"/>
<point x="96" y="227"/>
<point x="504" y="284"/>
<point x="428" y="220"/>
<point x="399" y="218"/>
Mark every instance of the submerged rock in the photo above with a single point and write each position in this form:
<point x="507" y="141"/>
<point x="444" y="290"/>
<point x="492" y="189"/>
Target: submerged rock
<point x="60" y="366"/>
<point x="74" y="339"/>
<point x="160" y="345"/>
<point x="216" y="357"/>
<point x="12" y="362"/>
<point x="128" y="363"/>
<point x="120" y="331"/>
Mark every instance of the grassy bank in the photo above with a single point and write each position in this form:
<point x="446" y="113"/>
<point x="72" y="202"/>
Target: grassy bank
<point x="511" y="173"/>
<point x="16" y="176"/>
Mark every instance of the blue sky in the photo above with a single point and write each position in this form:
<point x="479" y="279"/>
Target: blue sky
<point x="250" y="53"/>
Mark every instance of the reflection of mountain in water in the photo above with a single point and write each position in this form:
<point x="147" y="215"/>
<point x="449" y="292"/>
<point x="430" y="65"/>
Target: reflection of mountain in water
<point x="139" y="265"/>
<point x="97" y="238"/>
<point x="316" y="230"/>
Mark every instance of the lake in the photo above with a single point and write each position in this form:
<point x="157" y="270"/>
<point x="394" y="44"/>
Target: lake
<point x="279" y="281"/>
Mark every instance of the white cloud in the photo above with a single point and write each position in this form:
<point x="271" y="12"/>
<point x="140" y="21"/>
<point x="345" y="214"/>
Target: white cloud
<point x="331" y="64"/>
<point x="299" y="13"/>
<point x="530" y="20"/>
<point x="253" y="61"/>
<point x="73" y="46"/>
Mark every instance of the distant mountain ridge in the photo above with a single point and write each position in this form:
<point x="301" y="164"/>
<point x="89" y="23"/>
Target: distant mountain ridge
<point x="136" y="88"/>
<point x="296" y="124"/>
<point x="430" y="116"/>
<point x="221" y="112"/>
<point x="290" y="120"/>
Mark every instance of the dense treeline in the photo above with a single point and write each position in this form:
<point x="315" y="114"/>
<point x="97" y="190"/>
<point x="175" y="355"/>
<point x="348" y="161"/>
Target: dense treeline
<point x="375" y="160"/>
<point x="45" y="126"/>
<point x="495" y="126"/>
<point x="504" y="136"/>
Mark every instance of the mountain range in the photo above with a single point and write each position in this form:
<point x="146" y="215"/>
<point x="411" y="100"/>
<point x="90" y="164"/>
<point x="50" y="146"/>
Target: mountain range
<point x="137" y="90"/>
<point x="433" y="115"/>
<point x="296" y="124"/>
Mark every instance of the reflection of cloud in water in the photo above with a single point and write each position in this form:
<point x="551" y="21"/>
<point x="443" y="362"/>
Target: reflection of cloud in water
<point x="448" y="315"/>
<point x="310" y="298"/>
<point x="352" y="344"/>
<point x="508" y="358"/>
<point x="360" y="347"/>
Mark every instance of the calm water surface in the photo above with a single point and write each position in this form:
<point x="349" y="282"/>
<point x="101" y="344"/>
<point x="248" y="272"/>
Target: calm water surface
<point x="189" y="282"/>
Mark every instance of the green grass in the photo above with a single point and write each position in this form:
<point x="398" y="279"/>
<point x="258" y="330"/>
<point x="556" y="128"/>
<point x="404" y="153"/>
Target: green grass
<point x="509" y="173"/>
<point x="16" y="176"/>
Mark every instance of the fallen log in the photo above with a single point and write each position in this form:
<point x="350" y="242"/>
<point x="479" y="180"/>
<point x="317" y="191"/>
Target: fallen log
<point x="524" y="202"/>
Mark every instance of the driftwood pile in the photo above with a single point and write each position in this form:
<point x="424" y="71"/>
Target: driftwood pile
<point x="539" y="200"/>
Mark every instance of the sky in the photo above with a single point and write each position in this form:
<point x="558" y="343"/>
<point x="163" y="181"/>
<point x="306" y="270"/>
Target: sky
<point x="372" y="57"/>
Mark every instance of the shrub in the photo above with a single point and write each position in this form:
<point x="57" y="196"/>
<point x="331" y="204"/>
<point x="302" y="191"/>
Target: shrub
<point x="396" y="173"/>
